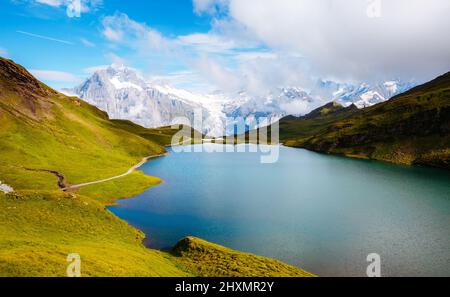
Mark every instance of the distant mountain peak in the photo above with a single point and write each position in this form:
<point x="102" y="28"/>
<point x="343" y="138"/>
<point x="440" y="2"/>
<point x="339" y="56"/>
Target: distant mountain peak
<point x="365" y="94"/>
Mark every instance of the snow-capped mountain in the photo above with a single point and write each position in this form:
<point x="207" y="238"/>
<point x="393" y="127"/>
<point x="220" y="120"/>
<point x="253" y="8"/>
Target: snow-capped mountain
<point x="365" y="95"/>
<point x="263" y="110"/>
<point x="124" y="94"/>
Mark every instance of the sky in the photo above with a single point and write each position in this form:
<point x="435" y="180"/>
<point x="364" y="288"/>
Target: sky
<point x="229" y="45"/>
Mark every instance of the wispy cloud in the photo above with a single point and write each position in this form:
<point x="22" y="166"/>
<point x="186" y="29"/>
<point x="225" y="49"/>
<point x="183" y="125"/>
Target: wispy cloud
<point x="211" y="55"/>
<point x="84" y="5"/>
<point x="207" y="42"/>
<point x="93" y="69"/>
<point x="209" y="6"/>
<point x="191" y="80"/>
<point x="116" y="59"/>
<point x="119" y="28"/>
<point x="113" y="35"/>
<point x="54" y="3"/>
<point x="87" y="43"/>
<point x="45" y="37"/>
<point x="55" y="76"/>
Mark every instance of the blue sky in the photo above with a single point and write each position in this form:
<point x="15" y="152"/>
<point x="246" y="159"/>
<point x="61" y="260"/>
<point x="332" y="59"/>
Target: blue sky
<point x="41" y="36"/>
<point x="231" y="45"/>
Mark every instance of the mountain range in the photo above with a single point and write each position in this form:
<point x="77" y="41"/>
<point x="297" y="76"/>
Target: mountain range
<point x="412" y="128"/>
<point x="124" y="93"/>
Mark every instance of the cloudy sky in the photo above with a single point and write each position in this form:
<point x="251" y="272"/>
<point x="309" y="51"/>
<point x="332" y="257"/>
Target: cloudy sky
<point x="230" y="45"/>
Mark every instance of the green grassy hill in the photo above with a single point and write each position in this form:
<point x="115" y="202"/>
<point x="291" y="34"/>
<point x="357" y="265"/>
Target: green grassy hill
<point x="411" y="128"/>
<point x="208" y="259"/>
<point x="162" y="135"/>
<point x="42" y="130"/>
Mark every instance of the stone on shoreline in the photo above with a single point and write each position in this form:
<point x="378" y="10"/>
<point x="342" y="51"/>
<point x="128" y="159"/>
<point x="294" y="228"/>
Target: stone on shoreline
<point x="5" y="188"/>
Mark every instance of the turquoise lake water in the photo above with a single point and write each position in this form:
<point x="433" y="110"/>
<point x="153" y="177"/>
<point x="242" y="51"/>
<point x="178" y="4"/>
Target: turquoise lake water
<point x="322" y="213"/>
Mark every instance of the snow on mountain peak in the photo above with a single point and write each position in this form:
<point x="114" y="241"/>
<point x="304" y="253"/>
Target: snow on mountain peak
<point x="365" y="95"/>
<point x="125" y="94"/>
<point x="391" y="86"/>
<point x="123" y="85"/>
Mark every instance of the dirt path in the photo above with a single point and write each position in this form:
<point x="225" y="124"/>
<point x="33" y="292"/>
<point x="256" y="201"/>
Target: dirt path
<point x="144" y="160"/>
<point x="64" y="187"/>
<point x="61" y="183"/>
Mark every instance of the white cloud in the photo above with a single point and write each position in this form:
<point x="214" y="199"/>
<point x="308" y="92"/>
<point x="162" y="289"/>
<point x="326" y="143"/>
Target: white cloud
<point x="297" y="107"/>
<point x="243" y="57"/>
<point x="330" y="39"/>
<point x="55" y="76"/>
<point x="341" y="41"/>
<point x="120" y="28"/>
<point x="257" y="74"/>
<point x="54" y="3"/>
<point x="85" y="5"/>
<point x="204" y="54"/>
<point x="113" y="35"/>
<point x="220" y="76"/>
<point x="210" y="43"/>
<point x="208" y="6"/>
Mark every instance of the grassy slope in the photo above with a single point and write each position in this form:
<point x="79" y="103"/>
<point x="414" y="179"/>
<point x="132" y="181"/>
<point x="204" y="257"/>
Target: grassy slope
<point x="39" y="229"/>
<point x="40" y="225"/>
<point x="69" y="136"/>
<point x="162" y="135"/>
<point x="208" y="259"/>
<point x="412" y="128"/>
